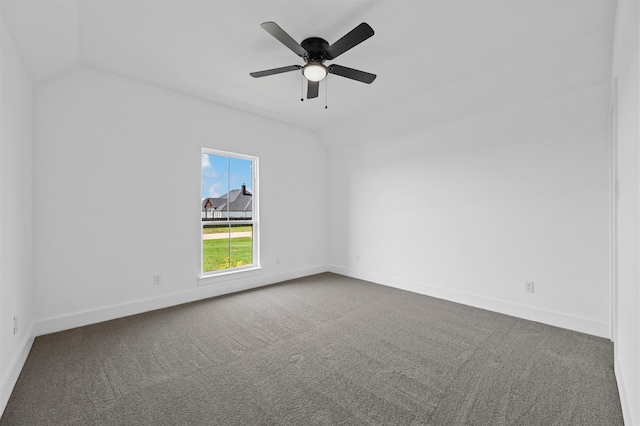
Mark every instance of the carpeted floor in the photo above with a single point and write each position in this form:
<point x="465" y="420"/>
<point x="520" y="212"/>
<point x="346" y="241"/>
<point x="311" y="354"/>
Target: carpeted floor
<point x="324" y="349"/>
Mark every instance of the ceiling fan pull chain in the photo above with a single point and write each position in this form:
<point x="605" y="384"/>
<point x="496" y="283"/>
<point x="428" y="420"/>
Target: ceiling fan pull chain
<point x="326" y="91"/>
<point x="301" y="88"/>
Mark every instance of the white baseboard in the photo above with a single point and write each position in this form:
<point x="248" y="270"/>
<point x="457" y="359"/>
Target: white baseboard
<point x="217" y="287"/>
<point x="11" y="377"/>
<point x="254" y="279"/>
<point x="557" y="319"/>
<point x="624" y="399"/>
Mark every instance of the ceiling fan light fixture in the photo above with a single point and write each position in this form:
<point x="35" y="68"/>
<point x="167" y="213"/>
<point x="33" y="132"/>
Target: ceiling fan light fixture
<point x="314" y="71"/>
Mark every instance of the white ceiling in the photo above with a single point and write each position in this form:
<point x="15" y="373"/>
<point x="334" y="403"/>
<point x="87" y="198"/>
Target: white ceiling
<point x="435" y="60"/>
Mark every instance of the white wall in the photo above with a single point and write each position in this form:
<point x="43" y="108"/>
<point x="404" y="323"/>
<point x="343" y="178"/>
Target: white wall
<point x="627" y="344"/>
<point x="130" y="153"/>
<point x="470" y="209"/>
<point x="16" y="278"/>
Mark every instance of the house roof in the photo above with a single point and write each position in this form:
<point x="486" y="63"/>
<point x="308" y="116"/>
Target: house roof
<point x="235" y="200"/>
<point x="215" y="202"/>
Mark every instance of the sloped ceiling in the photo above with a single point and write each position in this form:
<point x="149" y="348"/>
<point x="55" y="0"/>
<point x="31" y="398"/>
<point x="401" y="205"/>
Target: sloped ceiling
<point x="435" y="60"/>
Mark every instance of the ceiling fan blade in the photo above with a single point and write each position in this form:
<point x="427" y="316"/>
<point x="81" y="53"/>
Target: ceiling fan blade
<point x="351" y="39"/>
<point x="274" y="71"/>
<point x="357" y="75"/>
<point x="284" y="38"/>
<point x="312" y="89"/>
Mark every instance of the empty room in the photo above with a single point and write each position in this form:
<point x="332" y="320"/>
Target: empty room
<point x="319" y="212"/>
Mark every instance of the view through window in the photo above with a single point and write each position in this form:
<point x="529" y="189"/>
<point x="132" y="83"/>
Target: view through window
<point x="228" y="211"/>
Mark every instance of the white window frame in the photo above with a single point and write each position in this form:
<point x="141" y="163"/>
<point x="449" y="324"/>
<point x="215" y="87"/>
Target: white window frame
<point x="254" y="221"/>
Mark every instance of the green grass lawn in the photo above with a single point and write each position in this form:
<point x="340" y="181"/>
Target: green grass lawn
<point x="216" y="256"/>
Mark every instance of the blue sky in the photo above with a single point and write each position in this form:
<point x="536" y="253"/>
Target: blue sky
<point x="221" y="174"/>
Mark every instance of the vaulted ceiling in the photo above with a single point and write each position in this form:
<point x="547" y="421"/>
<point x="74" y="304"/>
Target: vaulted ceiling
<point x="436" y="61"/>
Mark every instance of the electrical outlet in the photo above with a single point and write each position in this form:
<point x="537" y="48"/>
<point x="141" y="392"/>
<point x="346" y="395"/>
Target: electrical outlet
<point x="15" y="325"/>
<point x="528" y="286"/>
<point x="157" y="280"/>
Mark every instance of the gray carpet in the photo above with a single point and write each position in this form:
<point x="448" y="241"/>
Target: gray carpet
<point x="324" y="349"/>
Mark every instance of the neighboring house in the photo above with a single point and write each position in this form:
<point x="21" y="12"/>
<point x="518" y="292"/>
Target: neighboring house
<point x="236" y="204"/>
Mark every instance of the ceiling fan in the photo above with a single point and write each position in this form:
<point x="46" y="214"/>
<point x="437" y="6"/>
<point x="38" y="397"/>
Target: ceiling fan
<point x="315" y="51"/>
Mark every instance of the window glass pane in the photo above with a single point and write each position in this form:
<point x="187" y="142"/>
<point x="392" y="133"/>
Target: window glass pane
<point x="216" y="246"/>
<point x="241" y="246"/>
<point x="240" y="174"/>
<point x="215" y="169"/>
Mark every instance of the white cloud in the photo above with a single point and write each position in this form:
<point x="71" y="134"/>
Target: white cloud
<point x="208" y="172"/>
<point x="205" y="161"/>
<point x="213" y="190"/>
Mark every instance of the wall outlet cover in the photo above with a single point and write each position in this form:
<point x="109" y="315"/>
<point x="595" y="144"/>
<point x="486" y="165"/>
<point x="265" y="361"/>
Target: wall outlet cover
<point x="528" y="286"/>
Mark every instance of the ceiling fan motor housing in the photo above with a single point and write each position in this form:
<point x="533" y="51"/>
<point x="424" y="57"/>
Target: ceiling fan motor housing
<point x="316" y="47"/>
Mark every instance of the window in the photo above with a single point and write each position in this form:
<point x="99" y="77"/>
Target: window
<point x="229" y="212"/>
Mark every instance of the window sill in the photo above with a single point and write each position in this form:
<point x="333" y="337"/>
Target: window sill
<point x="213" y="278"/>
